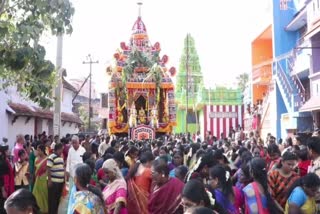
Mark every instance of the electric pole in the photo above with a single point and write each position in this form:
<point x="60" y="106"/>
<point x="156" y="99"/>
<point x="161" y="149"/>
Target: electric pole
<point x="187" y="82"/>
<point x="58" y="88"/>
<point x="90" y="62"/>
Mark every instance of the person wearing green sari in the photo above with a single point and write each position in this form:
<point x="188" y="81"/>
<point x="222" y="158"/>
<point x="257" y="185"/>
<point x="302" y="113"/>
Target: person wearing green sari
<point x="32" y="158"/>
<point x="40" y="189"/>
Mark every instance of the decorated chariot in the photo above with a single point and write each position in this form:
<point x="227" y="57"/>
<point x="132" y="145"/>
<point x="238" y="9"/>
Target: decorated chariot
<point x="141" y="91"/>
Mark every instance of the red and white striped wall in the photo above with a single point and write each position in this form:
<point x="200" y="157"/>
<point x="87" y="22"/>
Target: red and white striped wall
<point x="220" y="118"/>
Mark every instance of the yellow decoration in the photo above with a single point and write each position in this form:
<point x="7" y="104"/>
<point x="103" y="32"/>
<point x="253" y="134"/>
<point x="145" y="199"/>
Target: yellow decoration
<point x="119" y="68"/>
<point x="133" y="116"/>
<point x="168" y="85"/>
<point x="135" y="85"/>
<point x="142" y="116"/>
<point x="120" y="117"/>
<point x="154" y="118"/>
<point x="139" y="36"/>
<point x="166" y="129"/>
<point x="115" y="130"/>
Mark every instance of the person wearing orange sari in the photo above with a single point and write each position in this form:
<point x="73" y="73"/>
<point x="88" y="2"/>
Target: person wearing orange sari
<point x="139" y="184"/>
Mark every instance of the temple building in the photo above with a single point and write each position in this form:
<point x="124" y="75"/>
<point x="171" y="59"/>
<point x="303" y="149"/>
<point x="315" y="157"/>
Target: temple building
<point x="217" y="109"/>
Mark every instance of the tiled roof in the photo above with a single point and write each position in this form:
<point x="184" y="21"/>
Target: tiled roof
<point x="70" y="118"/>
<point x="24" y="110"/>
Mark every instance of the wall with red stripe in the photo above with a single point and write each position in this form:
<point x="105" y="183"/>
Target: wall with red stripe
<point x="220" y="118"/>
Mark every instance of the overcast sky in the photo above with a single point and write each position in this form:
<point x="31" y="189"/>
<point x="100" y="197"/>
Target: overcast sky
<point x="223" y="31"/>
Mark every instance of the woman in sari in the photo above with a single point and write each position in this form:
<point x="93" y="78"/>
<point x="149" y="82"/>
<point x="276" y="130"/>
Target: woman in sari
<point x="87" y="199"/>
<point x="201" y="169"/>
<point x="229" y="197"/>
<point x="32" y="158"/>
<point x="281" y="178"/>
<point x="115" y="193"/>
<point x="195" y="194"/>
<point x="177" y="160"/>
<point x="302" y="195"/>
<point x="166" y="195"/>
<point x="274" y="156"/>
<point x="257" y="197"/>
<point x="139" y="184"/>
<point x="131" y="156"/>
<point x="6" y="176"/>
<point x="40" y="188"/>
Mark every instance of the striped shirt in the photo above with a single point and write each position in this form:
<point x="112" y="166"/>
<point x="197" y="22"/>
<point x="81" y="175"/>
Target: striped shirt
<point x="278" y="185"/>
<point x="56" y="165"/>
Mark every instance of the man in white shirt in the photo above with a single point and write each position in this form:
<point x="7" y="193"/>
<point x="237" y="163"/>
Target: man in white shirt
<point x="104" y="145"/>
<point x="75" y="154"/>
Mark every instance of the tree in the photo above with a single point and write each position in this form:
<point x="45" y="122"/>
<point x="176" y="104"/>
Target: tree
<point x="84" y="116"/>
<point x="22" y="58"/>
<point x="243" y="80"/>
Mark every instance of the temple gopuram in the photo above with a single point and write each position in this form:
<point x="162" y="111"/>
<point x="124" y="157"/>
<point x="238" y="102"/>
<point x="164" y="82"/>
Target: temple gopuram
<point x="216" y="110"/>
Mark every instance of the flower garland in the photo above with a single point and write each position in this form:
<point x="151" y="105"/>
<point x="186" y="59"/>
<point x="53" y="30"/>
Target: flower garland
<point x="194" y="168"/>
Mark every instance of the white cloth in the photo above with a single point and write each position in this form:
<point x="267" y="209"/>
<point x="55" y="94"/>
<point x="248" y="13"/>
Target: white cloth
<point x="74" y="158"/>
<point x="102" y="148"/>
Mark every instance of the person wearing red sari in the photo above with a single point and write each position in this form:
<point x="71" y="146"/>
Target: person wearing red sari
<point x="304" y="163"/>
<point x="6" y="176"/>
<point x="166" y="194"/>
<point x="139" y="184"/>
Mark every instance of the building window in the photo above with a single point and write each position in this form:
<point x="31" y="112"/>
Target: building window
<point x="191" y="118"/>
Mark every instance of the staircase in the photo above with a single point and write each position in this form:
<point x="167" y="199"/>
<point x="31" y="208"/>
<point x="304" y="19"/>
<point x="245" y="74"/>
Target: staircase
<point x="266" y="104"/>
<point x="265" y="116"/>
<point x="299" y="97"/>
<point x="290" y="86"/>
<point x="285" y="86"/>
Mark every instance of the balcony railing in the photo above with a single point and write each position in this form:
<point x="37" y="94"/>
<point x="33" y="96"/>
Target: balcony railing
<point x="262" y="74"/>
<point x="313" y="11"/>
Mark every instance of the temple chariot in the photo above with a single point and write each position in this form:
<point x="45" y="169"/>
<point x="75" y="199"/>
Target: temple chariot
<point x="141" y="92"/>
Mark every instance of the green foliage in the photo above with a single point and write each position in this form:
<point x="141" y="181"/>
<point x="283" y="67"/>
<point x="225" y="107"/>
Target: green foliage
<point x="243" y="80"/>
<point x="135" y="59"/>
<point x="84" y="116"/>
<point x="22" y="58"/>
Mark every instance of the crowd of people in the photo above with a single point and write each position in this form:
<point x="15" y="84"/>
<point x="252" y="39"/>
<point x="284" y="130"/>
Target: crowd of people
<point x="173" y="174"/>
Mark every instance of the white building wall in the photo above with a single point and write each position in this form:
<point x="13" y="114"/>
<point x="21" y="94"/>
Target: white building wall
<point x="15" y="97"/>
<point x="10" y="131"/>
<point x="69" y="129"/>
<point x="45" y="126"/>
<point x="271" y="116"/>
<point x="3" y="116"/>
<point x="19" y="127"/>
<point x="201" y="124"/>
<point x="67" y="97"/>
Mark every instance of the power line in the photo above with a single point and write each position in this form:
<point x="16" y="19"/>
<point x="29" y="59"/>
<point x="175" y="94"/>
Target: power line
<point x="90" y="62"/>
